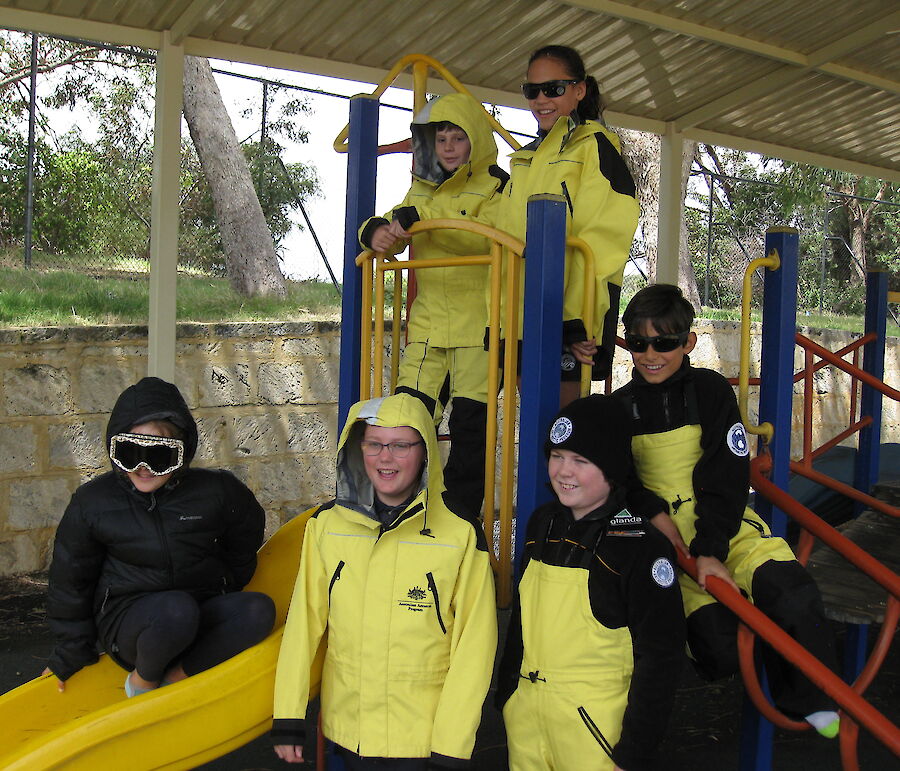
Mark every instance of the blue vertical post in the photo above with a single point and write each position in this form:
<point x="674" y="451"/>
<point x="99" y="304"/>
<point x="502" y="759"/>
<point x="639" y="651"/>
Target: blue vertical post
<point x="361" y="165"/>
<point x="541" y="336"/>
<point x="868" y="454"/>
<point x="775" y="403"/>
<point x="777" y="367"/>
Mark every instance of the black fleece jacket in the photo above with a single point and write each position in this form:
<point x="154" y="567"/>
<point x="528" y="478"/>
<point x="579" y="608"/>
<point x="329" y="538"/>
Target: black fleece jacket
<point x="114" y="545"/>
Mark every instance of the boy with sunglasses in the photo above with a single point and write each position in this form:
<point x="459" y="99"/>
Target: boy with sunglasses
<point x="691" y="451"/>
<point x="403" y="587"/>
<point x="149" y="558"/>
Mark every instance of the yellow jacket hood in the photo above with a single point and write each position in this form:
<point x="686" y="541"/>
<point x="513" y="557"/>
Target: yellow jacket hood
<point x="354" y="489"/>
<point x="466" y="113"/>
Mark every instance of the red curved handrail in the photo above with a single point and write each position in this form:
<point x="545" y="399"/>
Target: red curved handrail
<point x="820" y="675"/>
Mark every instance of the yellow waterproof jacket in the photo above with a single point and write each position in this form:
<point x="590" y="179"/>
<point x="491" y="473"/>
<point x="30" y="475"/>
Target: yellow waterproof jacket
<point x="581" y="162"/>
<point x="409" y="610"/>
<point x="450" y="309"/>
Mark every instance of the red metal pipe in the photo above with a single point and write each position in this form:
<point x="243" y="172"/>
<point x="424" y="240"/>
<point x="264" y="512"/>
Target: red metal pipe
<point x="841" y="437"/>
<point x="855" y="345"/>
<point x="837" y="361"/>
<point x="754" y="689"/>
<point x="826" y="533"/>
<point x="882" y="646"/>
<point x="861" y="711"/>
<point x="843" y="489"/>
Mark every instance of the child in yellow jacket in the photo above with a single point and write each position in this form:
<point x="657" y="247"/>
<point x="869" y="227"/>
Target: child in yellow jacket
<point x="456" y="177"/>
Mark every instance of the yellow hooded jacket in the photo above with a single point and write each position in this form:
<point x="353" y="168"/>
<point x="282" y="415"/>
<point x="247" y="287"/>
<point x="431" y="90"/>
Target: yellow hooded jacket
<point x="450" y="309"/>
<point x="581" y="162"/>
<point x="409" y="610"/>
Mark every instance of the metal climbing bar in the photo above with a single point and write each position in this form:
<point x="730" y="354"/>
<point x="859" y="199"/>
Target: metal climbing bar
<point x="504" y="251"/>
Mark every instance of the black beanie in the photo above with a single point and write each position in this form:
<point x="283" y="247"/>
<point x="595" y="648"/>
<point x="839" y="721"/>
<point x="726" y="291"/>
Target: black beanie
<point x="597" y="428"/>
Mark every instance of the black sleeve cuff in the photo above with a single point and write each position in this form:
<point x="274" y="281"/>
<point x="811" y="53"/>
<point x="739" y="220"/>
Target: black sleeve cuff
<point x="372" y="225"/>
<point x="709" y="547"/>
<point x="406" y="216"/>
<point x="290" y="731"/>
<point x="573" y="331"/>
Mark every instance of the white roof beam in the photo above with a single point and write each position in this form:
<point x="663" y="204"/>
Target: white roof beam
<point x="749" y="45"/>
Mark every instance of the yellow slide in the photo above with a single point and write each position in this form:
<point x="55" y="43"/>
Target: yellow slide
<point x="91" y="725"/>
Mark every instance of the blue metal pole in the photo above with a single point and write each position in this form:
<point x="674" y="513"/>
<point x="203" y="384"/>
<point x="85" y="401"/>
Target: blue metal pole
<point x="361" y="165"/>
<point x="541" y="335"/>
<point x="775" y="402"/>
<point x="868" y="454"/>
<point x="777" y="367"/>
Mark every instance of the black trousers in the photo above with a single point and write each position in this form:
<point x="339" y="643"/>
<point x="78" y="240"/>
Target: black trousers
<point x="166" y="628"/>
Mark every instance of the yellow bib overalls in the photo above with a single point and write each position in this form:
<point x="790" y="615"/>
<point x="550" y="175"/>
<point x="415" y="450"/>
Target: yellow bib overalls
<point x="566" y="714"/>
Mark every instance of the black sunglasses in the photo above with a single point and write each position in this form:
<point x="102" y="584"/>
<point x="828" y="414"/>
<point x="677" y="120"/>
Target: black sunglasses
<point x="551" y="88"/>
<point x="159" y="454"/>
<point x="660" y="343"/>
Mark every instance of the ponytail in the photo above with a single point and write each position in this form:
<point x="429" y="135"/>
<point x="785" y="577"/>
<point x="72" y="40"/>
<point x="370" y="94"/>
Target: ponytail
<point x="591" y="106"/>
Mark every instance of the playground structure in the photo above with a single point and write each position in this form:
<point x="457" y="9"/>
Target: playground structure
<point x="538" y="398"/>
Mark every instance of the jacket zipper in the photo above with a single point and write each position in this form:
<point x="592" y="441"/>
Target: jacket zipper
<point x="595" y="731"/>
<point x="565" y="190"/>
<point x="335" y="577"/>
<point x="162" y="537"/>
<point x="105" y="598"/>
<point x="437" y="600"/>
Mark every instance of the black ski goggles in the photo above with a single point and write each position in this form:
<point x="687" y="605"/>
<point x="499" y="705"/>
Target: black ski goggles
<point x="158" y="454"/>
<point x="550" y="88"/>
<point x="660" y="343"/>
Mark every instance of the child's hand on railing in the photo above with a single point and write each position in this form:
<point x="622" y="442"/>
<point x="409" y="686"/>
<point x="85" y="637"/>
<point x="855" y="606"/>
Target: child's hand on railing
<point x="584" y="351"/>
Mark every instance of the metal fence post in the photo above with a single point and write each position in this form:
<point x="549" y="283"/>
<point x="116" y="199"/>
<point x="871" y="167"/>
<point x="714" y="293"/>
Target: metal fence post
<point x="541" y="334"/>
<point x="776" y="391"/>
<point x="361" y="165"/>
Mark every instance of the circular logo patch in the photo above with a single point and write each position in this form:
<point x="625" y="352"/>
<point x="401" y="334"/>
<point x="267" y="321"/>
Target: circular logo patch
<point x="568" y="362"/>
<point x="560" y="430"/>
<point x="663" y="572"/>
<point x="737" y="440"/>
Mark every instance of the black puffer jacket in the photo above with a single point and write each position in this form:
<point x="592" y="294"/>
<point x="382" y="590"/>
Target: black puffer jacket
<point x="199" y="534"/>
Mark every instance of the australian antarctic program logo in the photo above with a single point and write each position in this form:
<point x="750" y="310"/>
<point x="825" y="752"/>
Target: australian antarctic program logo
<point x="663" y="572"/>
<point x="737" y="440"/>
<point x="416" y="599"/>
<point x="560" y="430"/>
<point x="568" y="362"/>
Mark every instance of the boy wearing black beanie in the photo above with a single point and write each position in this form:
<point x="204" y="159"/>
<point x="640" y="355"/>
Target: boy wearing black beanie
<point x="594" y="648"/>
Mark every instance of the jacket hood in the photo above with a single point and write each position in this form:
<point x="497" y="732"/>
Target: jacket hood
<point x="466" y="113"/>
<point x="353" y="486"/>
<point x="153" y="399"/>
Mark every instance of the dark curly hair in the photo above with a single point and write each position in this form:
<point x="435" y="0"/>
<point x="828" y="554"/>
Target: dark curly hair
<point x="662" y="305"/>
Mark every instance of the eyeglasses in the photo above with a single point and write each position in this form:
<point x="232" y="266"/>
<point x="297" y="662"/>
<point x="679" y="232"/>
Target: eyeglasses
<point x="397" y="449"/>
<point x="550" y="88"/>
<point x="160" y="455"/>
<point x="660" y="343"/>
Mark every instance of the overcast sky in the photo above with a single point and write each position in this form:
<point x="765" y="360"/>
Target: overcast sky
<point x="329" y="115"/>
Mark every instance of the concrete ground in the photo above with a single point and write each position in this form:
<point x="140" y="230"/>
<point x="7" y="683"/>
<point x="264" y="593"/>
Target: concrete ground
<point x="704" y="732"/>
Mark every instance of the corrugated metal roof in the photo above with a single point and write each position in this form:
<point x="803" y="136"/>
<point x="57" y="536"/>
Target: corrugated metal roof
<point x="815" y="80"/>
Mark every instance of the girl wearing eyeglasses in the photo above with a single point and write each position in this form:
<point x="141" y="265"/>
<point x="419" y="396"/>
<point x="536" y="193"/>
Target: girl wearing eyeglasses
<point x="403" y="587"/>
<point x="149" y="558"/>
<point x="576" y="156"/>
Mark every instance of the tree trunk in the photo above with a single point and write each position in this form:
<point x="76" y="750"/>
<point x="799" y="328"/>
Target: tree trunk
<point x="642" y="154"/>
<point x="250" y="259"/>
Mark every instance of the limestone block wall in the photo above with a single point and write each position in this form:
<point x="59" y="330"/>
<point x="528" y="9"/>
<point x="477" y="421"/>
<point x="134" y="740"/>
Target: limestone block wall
<point x="265" y="400"/>
<point x="264" y="397"/>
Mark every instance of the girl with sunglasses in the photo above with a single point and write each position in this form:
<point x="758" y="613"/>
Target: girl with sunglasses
<point x="150" y="557"/>
<point x="576" y="156"/>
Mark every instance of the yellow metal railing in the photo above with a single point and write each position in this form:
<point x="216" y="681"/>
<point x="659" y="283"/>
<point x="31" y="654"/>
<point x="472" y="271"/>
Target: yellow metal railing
<point x="421" y="64"/>
<point x="505" y="251"/>
<point x="771" y="261"/>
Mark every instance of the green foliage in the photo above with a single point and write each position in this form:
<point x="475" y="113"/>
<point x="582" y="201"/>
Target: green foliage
<point x="92" y="197"/>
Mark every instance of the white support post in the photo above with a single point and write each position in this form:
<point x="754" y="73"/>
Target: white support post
<point x="671" y="206"/>
<point x="164" y="208"/>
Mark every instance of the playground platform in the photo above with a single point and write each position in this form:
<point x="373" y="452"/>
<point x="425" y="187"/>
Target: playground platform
<point x="704" y="732"/>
